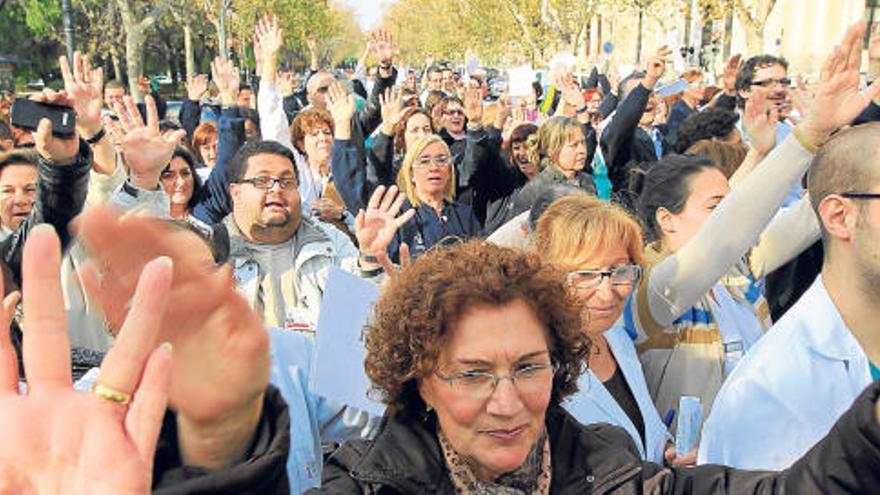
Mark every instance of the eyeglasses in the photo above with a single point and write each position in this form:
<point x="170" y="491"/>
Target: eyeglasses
<point x="590" y="279"/>
<point x="860" y="195"/>
<point x="528" y="379"/>
<point x="770" y="82"/>
<point x="429" y="161"/>
<point x="453" y="112"/>
<point x="266" y="183"/>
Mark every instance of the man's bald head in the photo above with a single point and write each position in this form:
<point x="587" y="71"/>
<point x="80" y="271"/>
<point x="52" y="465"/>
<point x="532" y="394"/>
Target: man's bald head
<point x="317" y="88"/>
<point x="849" y="162"/>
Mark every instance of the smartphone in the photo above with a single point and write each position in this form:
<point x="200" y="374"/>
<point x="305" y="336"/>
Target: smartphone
<point x="26" y="114"/>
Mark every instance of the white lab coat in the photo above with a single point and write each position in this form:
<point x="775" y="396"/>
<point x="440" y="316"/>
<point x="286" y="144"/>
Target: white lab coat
<point x="788" y="391"/>
<point x="594" y="404"/>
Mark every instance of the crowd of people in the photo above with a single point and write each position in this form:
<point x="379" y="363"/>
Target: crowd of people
<point x="614" y="253"/>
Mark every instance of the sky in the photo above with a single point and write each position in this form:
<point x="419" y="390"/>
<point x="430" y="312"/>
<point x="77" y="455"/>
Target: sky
<point x="368" y="12"/>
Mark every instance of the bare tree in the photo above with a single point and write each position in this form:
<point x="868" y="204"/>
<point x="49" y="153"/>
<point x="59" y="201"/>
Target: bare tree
<point x="135" y="35"/>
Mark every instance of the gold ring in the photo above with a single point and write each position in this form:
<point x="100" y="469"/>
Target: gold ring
<point x="110" y="395"/>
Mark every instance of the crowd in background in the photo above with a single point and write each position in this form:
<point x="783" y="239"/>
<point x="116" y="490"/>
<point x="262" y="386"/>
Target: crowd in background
<point x="563" y="274"/>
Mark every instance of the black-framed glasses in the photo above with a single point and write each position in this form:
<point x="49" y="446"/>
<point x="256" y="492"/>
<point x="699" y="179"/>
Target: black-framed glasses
<point x="527" y="379"/>
<point x="770" y="82"/>
<point x="860" y="195"/>
<point x="266" y="183"/>
<point x="590" y="279"/>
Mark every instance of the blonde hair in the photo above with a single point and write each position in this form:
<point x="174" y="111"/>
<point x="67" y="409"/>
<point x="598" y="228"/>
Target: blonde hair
<point x="575" y="228"/>
<point x="554" y="133"/>
<point x="405" y="176"/>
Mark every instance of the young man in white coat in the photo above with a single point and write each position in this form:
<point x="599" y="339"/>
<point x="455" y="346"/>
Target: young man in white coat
<point x="799" y="379"/>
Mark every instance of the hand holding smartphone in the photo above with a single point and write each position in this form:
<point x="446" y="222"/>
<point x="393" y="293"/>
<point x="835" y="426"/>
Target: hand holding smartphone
<point x="26" y="114"/>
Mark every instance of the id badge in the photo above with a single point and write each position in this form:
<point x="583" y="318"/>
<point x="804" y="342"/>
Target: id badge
<point x="299" y="320"/>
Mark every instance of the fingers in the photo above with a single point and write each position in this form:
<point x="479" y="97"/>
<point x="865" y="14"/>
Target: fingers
<point x="405" y="217"/>
<point x="387" y="265"/>
<point x="376" y="198"/>
<point x="8" y="360"/>
<point x="65" y="71"/>
<point x="144" y="419"/>
<point x="131" y="108"/>
<point x="389" y="198"/>
<point x="121" y="369"/>
<point x="43" y="136"/>
<point x="77" y="67"/>
<point x="175" y="138"/>
<point x="152" y="113"/>
<point x="405" y="260"/>
<point x="46" y="348"/>
<point x="853" y="41"/>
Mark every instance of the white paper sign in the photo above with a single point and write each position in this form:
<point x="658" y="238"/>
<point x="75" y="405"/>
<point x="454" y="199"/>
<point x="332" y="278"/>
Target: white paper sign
<point x="338" y="368"/>
<point x="520" y="81"/>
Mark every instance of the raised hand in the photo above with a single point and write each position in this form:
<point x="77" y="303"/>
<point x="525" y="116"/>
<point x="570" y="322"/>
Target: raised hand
<point x="221" y="350"/>
<point x="84" y="88"/>
<point x="196" y="86"/>
<point x="57" y="440"/>
<point x="392" y="109"/>
<point x="759" y="121"/>
<point x="376" y="226"/>
<point x="473" y="105"/>
<point x="145" y="150"/>
<point x="227" y="79"/>
<point x="53" y="148"/>
<point x="504" y="112"/>
<point x="270" y="36"/>
<point x="837" y="98"/>
<point x="383" y="48"/>
<point x="340" y="103"/>
<point x="571" y="92"/>
<point x="656" y="67"/>
<point x="285" y="82"/>
<point x="731" y="69"/>
<point x="312" y="43"/>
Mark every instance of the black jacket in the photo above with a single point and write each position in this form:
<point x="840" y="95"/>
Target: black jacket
<point x="621" y="144"/>
<point x="405" y="458"/>
<point x="61" y="194"/>
<point x="427" y="229"/>
<point x="548" y="177"/>
<point x="262" y="470"/>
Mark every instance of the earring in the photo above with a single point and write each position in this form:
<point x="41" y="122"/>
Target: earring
<point x="429" y="408"/>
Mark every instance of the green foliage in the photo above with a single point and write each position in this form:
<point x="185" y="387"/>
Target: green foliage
<point x="43" y="17"/>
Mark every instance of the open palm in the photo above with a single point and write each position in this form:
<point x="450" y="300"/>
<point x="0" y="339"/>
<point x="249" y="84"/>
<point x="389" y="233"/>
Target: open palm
<point x="220" y="346"/>
<point x="57" y="440"/>
<point x="837" y="99"/>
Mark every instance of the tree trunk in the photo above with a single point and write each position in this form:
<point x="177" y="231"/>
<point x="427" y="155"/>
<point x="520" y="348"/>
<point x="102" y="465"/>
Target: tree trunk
<point x="188" y="50"/>
<point x="639" y="38"/>
<point x="117" y="68"/>
<point x="754" y="41"/>
<point x="134" y="60"/>
<point x="728" y="33"/>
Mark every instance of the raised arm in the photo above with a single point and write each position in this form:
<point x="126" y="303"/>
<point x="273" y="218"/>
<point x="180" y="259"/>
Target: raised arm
<point x="273" y="119"/>
<point x="190" y="111"/>
<point x="734" y="228"/>
<point x="62" y="180"/>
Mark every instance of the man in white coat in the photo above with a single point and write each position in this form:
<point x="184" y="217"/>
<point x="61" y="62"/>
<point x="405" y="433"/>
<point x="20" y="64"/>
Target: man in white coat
<point x="806" y="371"/>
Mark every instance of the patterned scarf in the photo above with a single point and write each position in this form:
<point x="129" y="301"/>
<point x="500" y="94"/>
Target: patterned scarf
<point x="532" y="478"/>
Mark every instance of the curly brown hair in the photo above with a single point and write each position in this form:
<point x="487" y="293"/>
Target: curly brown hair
<point x="418" y="308"/>
<point x="306" y="121"/>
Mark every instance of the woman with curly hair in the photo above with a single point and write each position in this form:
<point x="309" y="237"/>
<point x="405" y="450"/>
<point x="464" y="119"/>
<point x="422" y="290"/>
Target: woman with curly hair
<point x="474" y="348"/>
